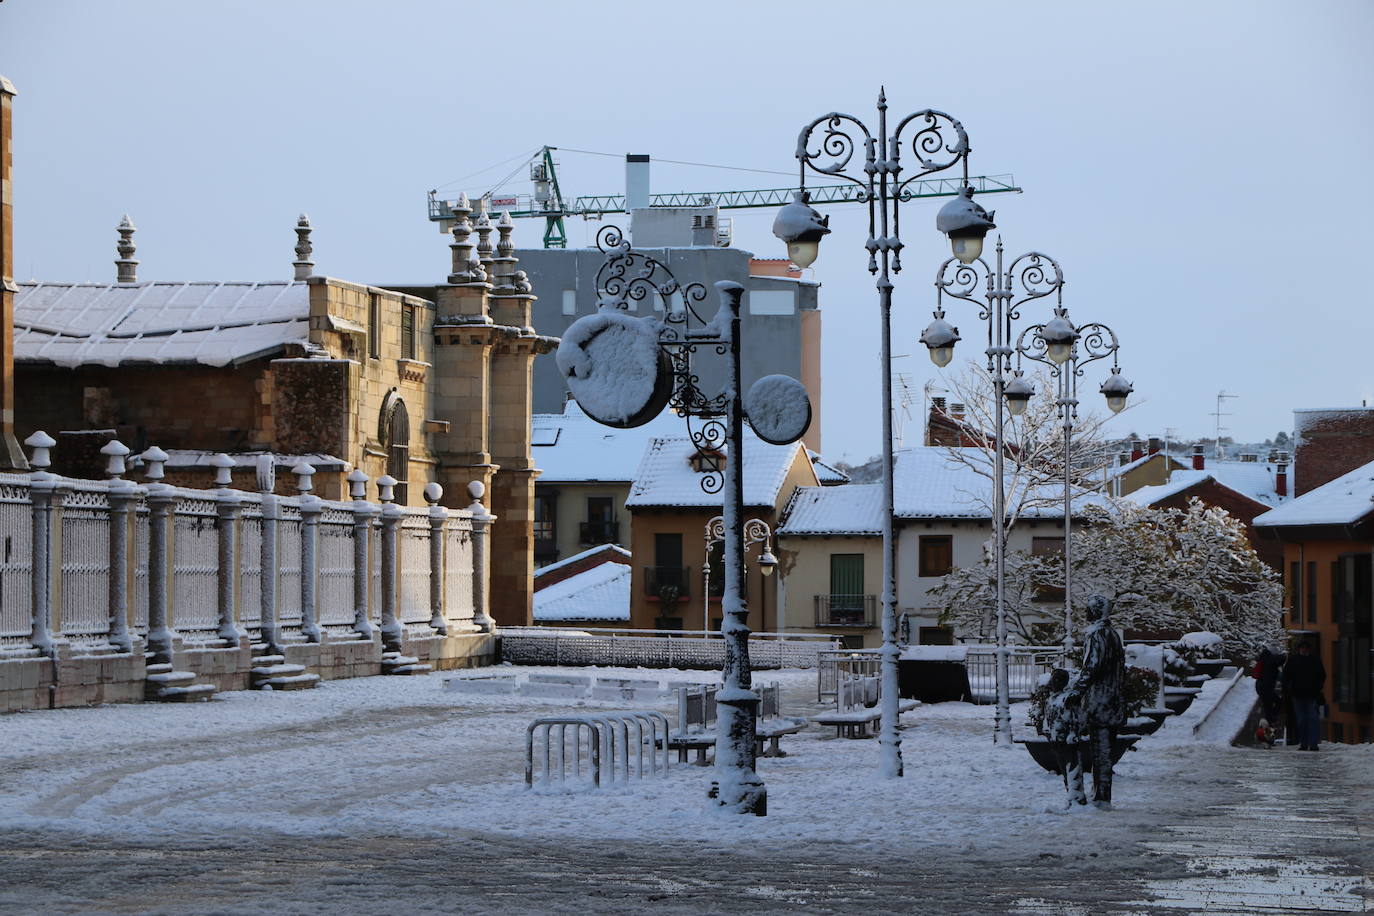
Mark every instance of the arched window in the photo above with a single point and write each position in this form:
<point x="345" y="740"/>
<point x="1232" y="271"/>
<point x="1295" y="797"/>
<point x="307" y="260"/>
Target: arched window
<point x="396" y="438"/>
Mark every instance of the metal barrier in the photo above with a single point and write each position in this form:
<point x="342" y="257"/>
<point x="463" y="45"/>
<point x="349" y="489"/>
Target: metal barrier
<point x="1025" y="665"/>
<point x="655" y="648"/>
<point x="610" y="747"/>
<point x="856" y="662"/>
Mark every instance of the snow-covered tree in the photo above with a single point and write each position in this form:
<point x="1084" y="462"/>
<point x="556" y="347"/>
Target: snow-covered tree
<point x="1165" y="569"/>
<point x="1033" y="456"/>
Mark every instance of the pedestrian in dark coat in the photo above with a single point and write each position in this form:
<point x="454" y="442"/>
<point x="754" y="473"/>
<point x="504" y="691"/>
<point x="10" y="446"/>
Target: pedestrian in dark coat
<point x="1303" y="680"/>
<point x="1267" y="670"/>
<point x="1099" y="688"/>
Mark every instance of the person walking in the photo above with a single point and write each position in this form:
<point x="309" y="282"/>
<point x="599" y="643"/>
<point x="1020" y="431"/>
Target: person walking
<point x="1303" y="680"/>
<point x="1267" y="670"/>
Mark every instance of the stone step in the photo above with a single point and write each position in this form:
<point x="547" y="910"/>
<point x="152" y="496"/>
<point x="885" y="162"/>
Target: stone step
<point x="157" y="668"/>
<point x="264" y="671"/>
<point x="171" y="678"/>
<point x="263" y="660"/>
<point x="290" y="682"/>
<point x="407" y="669"/>
<point x="185" y="694"/>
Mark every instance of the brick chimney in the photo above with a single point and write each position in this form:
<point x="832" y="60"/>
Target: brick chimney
<point x="11" y="456"/>
<point x="956" y="411"/>
<point x="1199" y="458"/>
<point x="1281" y="474"/>
<point x="937" y="405"/>
<point x="1137" y="449"/>
<point x="1156" y="445"/>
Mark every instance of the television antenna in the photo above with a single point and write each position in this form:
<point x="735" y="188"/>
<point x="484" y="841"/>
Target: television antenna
<point x="1218" y="414"/>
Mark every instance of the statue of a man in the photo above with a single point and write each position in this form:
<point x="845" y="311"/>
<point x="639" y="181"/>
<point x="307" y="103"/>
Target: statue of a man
<point x="1099" y="690"/>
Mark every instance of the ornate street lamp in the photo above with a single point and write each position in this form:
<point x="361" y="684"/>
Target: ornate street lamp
<point x="999" y="292"/>
<point x="829" y="146"/>
<point x="1091" y="342"/>
<point x="756" y="531"/>
<point x="623" y="370"/>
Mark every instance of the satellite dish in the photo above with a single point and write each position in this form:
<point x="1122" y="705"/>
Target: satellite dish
<point x="779" y="409"/>
<point x="615" y="369"/>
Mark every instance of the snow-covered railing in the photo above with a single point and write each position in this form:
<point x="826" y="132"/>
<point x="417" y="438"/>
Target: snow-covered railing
<point x="209" y="566"/>
<point x="655" y="648"/>
<point x="610" y="748"/>
<point x="862" y="662"/>
<point x="1025" y="665"/>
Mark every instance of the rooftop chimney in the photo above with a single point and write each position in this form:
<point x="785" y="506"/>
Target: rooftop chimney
<point x="636" y="181"/>
<point x="304" y="266"/>
<point x="1123" y="458"/>
<point x="1137" y="449"/>
<point x="1199" y="458"/>
<point x="1249" y="457"/>
<point x="956" y="410"/>
<point x="1156" y="444"/>
<point x="126" y="266"/>
<point x="1281" y="474"/>
<point x="937" y="404"/>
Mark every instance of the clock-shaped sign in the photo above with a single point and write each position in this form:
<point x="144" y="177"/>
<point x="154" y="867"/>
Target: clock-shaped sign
<point x="778" y="409"/>
<point x="615" y="369"/>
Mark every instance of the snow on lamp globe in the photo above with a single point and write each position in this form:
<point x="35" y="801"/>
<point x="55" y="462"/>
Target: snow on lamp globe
<point x="940" y="337"/>
<point x="1018" y="393"/>
<point x="767" y="562"/>
<point x="1116" y="389"/>
<point x="1059" y="336"/>
<point x="965" y="222"/>
<point x="801" y="227"/>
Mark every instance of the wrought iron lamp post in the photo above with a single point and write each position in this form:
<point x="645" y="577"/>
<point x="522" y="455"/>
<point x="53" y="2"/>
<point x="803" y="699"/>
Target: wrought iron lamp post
<point x="756" y="531"/>
<point x="828" y="146"/>
<point x="1003" y="289"/>
<point x="1094" y="342"/>
<point x="623" y="371"/>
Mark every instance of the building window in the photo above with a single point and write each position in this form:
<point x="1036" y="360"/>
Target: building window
<point x="397" y="441"/>
<point x="772" y="302"/>
<point x="937" y="555"/>
<point x="407" y="332"/>
<point x="1311" y="592"/>
<point x="600" y="526"/>
<point x="1295" y="592"/>
<point x="569" y="302"/>
<point x="545" y="524"/>
<point x="708" y="461"/>
<point x="374" y="325"/>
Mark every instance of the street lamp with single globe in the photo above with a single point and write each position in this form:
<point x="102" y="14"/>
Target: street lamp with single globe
<point x="802" y="227"/>
<point x="965" y="222"/>
<point x="1116" y="389"/>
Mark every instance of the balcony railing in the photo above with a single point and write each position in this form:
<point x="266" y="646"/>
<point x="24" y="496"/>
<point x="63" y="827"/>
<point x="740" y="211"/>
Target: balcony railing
<point x="598" y="532"/>
<point x="846" y="610"/>
<point x="667" y="583"/>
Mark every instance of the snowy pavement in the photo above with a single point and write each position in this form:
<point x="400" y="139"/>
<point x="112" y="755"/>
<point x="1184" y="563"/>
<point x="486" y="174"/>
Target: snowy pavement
<point x="387" y="794"/>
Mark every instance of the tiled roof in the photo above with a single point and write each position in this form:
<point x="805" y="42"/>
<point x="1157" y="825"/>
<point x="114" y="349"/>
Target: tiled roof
<point x="854" y="509"/>
<point x="599" y="593"/>
<point x="573" y="448"/>
<point x="1343" y="501"/>
<point x="665" y="476"/>
<point x="826" y="473"/>
<point x="211" y="324"/>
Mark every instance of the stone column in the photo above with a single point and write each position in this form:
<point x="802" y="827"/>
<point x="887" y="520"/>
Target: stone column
<point x="162" y="500"/>
<point x="122" y="495"/>
<point x="11" y="457"/>
<point x="43" y="492"/>
<point x="363" y="514"/>
<point x="392" y="631"/>
<point x="481" y="566"/>
<point x="311" y="509"/>
<point x="438" y="520"/>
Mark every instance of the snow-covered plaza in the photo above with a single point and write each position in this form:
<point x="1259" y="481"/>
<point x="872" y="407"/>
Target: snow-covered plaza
<point x="394" y="795"/>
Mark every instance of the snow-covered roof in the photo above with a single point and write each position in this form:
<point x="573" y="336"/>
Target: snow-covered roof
<point x="599" y="593"/>
<point x="1343" y="501"/>
<point x="615" y="549"/>
<point x="827" y="474"/>
<point x="854" y="509"/>
<point x="665" y="476"/>
<point x="1254" y="479"/>
<point x="571" y="447"/>
<point x="1116" y="471"/>
<point x="929" y="482"/>
<point x="108" y="324"/>
<point x="1148" y="496"/>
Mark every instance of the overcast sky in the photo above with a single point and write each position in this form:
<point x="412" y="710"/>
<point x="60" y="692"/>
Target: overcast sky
<point x="1200" y="170"/>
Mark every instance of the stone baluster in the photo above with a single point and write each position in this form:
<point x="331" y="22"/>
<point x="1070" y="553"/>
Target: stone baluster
<point x="267" y="554"/>
<point x="43" y="492"/>
<point x="228" y="507"/>
<point x="363" y="514"/>
<point x="162" y="501"/>
<point x="461" y="246"/>
<point x="438" y="520"/>
<point x="503" y="265"/>
<point x="392" y="631"/>
<point x="303" y="265"/>
<point x="121" y="495"/>
<point x="485" y="252"/>
<point x="311" y="508"/>
<point x="481" y="524"/>
<point x="126" y="266"/>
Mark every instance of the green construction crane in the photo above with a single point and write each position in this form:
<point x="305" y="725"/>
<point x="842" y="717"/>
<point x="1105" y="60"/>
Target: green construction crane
<point x="547" y="200"/>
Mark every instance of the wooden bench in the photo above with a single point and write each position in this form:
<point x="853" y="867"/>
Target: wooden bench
<point x="772" y="724"/>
